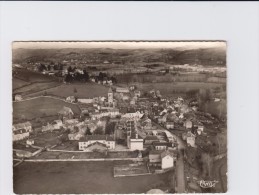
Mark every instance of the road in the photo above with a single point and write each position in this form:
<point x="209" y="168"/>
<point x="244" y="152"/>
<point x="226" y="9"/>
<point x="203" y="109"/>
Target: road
<point x="180" y="177"/>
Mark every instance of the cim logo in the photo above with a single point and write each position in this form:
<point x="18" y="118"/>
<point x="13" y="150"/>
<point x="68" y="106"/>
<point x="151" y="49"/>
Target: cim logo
<point x="208" y="184"/>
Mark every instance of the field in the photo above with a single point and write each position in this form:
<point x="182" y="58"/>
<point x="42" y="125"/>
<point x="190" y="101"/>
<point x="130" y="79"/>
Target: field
<point x="17" y="83"/>
<point x="28" y="90"/>
<point x="88" y="90"/>
<point x="40" y="107"/>
<point x="167" y="89"/>
<point x="78" y="177"/>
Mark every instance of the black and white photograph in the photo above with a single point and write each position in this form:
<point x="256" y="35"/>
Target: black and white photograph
<point x="119" y="117"/>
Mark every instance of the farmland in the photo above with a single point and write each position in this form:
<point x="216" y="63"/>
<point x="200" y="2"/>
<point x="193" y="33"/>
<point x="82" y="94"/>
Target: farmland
<point x="78" y="177"/>
<point x="86" y="90"/>
<point x="40" y="107"/>
<point x="167" y="89"/>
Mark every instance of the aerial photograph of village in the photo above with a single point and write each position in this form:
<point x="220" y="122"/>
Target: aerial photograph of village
<point x="119" y="117"/>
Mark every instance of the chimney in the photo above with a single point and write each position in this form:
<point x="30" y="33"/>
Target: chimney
<point x="136" y="136"/>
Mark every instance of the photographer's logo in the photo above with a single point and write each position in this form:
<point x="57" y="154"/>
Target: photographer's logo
<point x="207" y="184"/>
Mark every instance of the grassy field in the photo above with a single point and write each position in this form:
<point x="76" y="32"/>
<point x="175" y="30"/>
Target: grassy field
<point x="17" y="83"/>
<point x="86" y="90"/>
<point x="177" y="87"/>
<point x="40" y="107"/>
<point x="78" y="177"/>
<point x="35" y="87"/>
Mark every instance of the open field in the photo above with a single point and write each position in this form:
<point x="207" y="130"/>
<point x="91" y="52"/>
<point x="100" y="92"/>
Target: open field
<point x="167" y="89"/>
<point x="35" y="87"/>
<point x="84" y="90"/>
<point x="17" y="83"/>
<point x="83" y="155"/>
<point x="78" y="177"/>
<point x="40" y="107"/>
<point x="31" y="76"/>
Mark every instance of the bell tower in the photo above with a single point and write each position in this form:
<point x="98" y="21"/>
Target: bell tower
<point x="110" y="96"/>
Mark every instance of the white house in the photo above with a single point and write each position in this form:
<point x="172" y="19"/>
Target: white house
<point x="18" y="97"/>
<point x="167" y="160"/>
<point x="200" y="129"/>
<point x="57" y="124"/>
<point x="30" y="142"/>
<point x="169" y="125"/>
<point x="190" y="139"/>
<point x="135" y="142"/>
<point x="71" y="99"/>
<point x="122" y="90"/>
<point x="20" y="134"/>
<point x="27" y="126"/>
<point x="91" y="140"/>
<point x="134" y="115"/>
<point x="85" y="100"/>
<point x="188" y="124"/>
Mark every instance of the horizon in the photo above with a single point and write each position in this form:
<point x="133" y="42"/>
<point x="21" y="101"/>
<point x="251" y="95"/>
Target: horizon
<point x="119" y="45"/>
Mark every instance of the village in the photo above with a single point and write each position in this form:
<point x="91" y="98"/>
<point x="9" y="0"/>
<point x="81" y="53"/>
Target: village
<point x="158" y="134"/>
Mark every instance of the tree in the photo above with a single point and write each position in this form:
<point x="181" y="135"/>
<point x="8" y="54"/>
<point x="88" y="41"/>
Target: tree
<point x="88" y="132"/>
<point x="98" y="131"/>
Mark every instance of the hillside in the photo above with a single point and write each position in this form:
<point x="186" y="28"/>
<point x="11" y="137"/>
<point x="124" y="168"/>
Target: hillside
<point x="205" y="56"/>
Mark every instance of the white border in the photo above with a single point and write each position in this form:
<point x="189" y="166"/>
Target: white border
<point x="235" y="22"/>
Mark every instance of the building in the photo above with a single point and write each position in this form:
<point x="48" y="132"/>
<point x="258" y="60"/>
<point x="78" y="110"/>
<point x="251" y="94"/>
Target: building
<point x="66" y="113"/>
<point x="122" y="90"/>
<point x="150" y="139"/>
<point x="100" y="141"/>
<point x="160" y="145"/>
<point x="57" y="124"/>
<point x="17" y="97"/>
<point x="27" y="126"/>
<point x="30" y="142"/>
<point x="169" y="125"/>
<point x="188" y="124"/>
<point x="164" y="159"/>
<point x="20" y="134"/>
<point x="190" y="139"/>
<point x="85" y="100"/>
<point x="167" y="160"/>
<point x="155" y="157"/>
<point x="137" y="93"/>
<point x="110" y="97"/>
<point x="135" y="142"/>
<point x="71" y="99"/>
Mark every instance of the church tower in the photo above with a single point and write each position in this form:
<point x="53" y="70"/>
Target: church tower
<point x="110" y="96"/>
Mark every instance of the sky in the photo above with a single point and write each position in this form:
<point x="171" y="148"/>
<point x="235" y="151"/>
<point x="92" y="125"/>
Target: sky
<point x="119" y="44"/>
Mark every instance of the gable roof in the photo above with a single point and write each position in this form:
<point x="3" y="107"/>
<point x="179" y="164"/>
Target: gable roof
<point x="166" y="153"/>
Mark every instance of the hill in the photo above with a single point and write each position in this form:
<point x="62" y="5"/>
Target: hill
<point x="203" y="56"/>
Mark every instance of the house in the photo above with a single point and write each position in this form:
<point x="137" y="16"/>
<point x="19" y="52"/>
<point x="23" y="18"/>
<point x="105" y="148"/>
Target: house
<point x="85" y="100"/>
<point x="89" y="141"/>
<point x="17" y="97"/>
<point x="155" y="157"/>
<point x="200" y="129"/>
<point x="23" y="153"/>
<point x="75" y="136"/>
<point x="137" y="93"/>
<point x="160" y="145"/>
<point x="30" y="142"/>
<point x="190" y="139"/>
<point x="135" y="142"/>
<point x="66" y="112"/>
<point x="122" y="90"/>
<point x="71" y="99"/>
<point x="169" y="125"/>
<point x="188" y="124"/>
<point x="57" y="124"/>
<point x="27" y="126"/>
<point x="20" y="134"/>
<point x="133" y="115"/>
<point x="150" y="139"/>
<point x="167" y="160"/>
